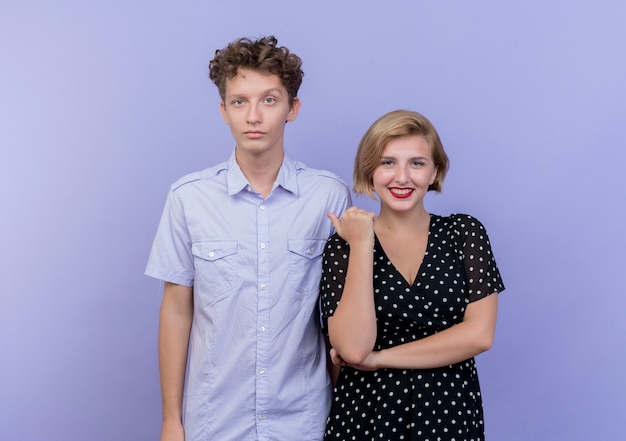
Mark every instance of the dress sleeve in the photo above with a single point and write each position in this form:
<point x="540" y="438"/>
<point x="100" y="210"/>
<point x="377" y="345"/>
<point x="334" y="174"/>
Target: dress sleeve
<point x="481" y="272"/>
<point x="334" y="267"/>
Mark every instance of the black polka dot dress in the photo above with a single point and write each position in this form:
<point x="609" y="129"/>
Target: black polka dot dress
<point x="414" y="404"/>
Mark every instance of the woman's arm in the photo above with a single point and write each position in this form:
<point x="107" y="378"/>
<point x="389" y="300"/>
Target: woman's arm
<point x="333" y="369"/>
<point x="467" y="339"/>
<point x="352" y="327"/>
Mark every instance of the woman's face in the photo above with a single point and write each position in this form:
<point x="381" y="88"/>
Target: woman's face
<point x="404" y="174"/>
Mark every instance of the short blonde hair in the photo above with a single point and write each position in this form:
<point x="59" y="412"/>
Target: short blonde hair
<point x="389" y="126"/>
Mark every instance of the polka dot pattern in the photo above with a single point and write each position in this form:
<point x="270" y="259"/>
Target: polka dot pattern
<point x="426" y="405"/>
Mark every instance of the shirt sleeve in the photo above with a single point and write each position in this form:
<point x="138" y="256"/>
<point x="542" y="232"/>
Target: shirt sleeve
<point x="481" y="272"/>
<point x="170" y="257"/>
<point x="334" y="267"/>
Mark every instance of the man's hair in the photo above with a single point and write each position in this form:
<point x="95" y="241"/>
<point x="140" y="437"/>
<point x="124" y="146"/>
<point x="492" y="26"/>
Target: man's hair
<point x="262" y="55"/>
<point x="393" y="125"/>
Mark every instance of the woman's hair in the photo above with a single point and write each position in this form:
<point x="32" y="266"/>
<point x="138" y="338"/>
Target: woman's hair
<point x="262" y="55"/>
<point x="390" y="126"/>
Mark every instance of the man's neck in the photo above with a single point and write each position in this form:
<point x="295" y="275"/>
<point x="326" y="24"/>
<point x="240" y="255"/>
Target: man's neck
<point x="261" y="171"/>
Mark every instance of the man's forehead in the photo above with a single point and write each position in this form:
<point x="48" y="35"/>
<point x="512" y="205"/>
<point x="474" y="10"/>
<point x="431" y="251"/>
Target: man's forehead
<point x="247" y="81"/>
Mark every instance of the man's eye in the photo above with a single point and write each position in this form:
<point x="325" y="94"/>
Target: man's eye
<point x="237" y="102"/>
<point x="270" y="100"/>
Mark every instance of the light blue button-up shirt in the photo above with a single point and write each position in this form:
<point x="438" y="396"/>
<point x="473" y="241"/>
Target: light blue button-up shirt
<point x="257" y="366"/>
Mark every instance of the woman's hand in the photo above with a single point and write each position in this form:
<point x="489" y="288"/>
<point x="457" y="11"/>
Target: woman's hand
<point x="355" y="225"/>
<point x="368" y="364"/>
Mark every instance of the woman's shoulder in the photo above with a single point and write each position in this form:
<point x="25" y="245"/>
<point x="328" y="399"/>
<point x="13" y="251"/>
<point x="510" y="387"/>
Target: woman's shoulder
<point x="454" y="219"/>
<point x="459" y="223"/>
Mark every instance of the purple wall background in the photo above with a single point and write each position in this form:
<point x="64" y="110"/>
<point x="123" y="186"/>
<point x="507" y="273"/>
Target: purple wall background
<point x="104" y="104"/>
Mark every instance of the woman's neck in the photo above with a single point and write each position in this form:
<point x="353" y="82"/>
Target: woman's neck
<point x="393" y="222"/>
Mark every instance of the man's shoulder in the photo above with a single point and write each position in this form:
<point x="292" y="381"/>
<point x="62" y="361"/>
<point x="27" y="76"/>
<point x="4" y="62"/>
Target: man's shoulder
<point x="197" y="176"/>
<point x="319" y="176"/>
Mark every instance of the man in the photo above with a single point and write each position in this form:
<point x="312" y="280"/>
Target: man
<point x="239" y="247"/>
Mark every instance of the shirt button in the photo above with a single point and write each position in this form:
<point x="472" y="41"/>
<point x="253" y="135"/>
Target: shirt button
<point x="211" y="254"/>
<point x="263" y="286"/>
<point x="262" y="246"/>
<point x="261" y="371"/>
<point x="260" y="417"/>
<point x="262" y="328"/>
<point x="262" y="207"/>
<point x="309" y="251"/>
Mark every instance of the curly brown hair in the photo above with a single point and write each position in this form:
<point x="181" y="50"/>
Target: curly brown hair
<point x="263" y="55"/>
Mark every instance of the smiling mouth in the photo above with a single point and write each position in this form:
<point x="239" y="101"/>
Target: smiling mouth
<point x="401" y="193"/>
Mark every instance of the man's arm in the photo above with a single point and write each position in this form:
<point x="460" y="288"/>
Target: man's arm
<point x="174" y="329"/>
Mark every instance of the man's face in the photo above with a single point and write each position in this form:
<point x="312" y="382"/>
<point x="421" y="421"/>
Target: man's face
<point x="256" y="107"/>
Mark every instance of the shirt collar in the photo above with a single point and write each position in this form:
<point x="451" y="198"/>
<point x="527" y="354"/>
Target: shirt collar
<point x="287" y="176"/>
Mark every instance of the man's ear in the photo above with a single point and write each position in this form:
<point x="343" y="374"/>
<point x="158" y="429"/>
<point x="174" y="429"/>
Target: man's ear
<point x="223" y="112"/>
<point x="294" y="110"/>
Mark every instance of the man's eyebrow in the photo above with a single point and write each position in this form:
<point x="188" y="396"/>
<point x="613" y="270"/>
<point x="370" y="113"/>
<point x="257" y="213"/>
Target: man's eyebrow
<point x="273" y="90"/>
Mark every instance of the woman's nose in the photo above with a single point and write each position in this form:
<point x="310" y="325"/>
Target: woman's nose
<point x="402" y="175"/>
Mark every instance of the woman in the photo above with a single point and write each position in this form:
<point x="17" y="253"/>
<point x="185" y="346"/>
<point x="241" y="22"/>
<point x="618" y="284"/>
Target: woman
<point x="406" y="320"/>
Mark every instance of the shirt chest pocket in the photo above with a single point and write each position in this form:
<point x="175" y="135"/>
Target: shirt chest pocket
<point x="305" y="263"/>
<point x="215" y="263"/>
